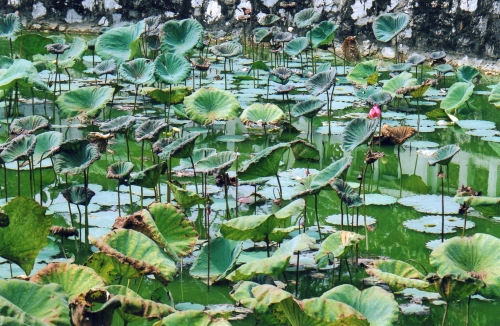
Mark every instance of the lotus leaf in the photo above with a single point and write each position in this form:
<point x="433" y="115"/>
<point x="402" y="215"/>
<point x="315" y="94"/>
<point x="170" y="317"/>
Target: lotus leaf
<point x="255" y="227"/>
<point x="268" y="20"/>
<point x="402" y="80"/>
<point x="336" y="245"/>
<point x="223" y="256"/>
<point x="19" y="149"/>
<point x="476" y="124"/>
<point x="193" y="317"/>
<point x="280" y="75"/>
<point x="364" y="93"/>
<point x="397" y="274"/>
<point x="308" y="108"/>
<point x="398" y="134"/>
<point x="78" y="195"/>
<point x="262" y="35"/>
<point x="174" y="96"/>
<point x="31" y="44"/>
<point x="110" y="267"/>
<point x="217" y="163"/>
<point x="321" y="82"/>
<point x="488" y="206"/>
<point x="306" y="17"/>
<point x="293" y="210"/>
<point x="296" y="46"/>
<point x="357" y="132"/>
<point x="27" y="303"/>
<point x="299" y="243"/>
<point x="303" y="150"/>
<point x="81" y="315"/>
<point x="444" y="68"/>
<point x="197" y="155"/>
<point x="416" y="59"/>
<point x="137" y="250"/>
<point x="209" y="104"/>
<point x="118" y="125"/>
<point x="379" y="199"/>
<point x="387" y="26"/>
<point x="179" y="148"/>
<point x="10" y="25"/>
<point x="86" y="103"/>
<point x="47" y="144"/>
<point x="24" y="74"/>
<point x="120" y="43"/>
<point x="473" y="256"/>
<point x="379" y="98"/>
<point x="399" y="67"/>
<point x="265" y="163"/>
<point x="453" y="287"/>
<point x="262" y="113"/>
<point x="338" y="219"/>
<point x="282" y="37"/>
<point x="322" y="34"/>
<point x="150" y="130"/>
<point x="186" y="198"/>
<point x="444" y="155"/>
<point x="147" y="178"/>
<point x="364" y="73"/>
<point x="180" y="37"/>
<point x="171" y="68"/>
<point x="494" y="97"/>
<point x="74" y="157"/>
<point x="458" y="94"/>
<point x="274" y="265"/>
<point x="138" y="71"/>
<point x="105" y="67"/>
<point x="29" y="125"/>
<point x="120" y="170"/>
<point x="65" y="59"/>
<point x="227" y="49"/>
<point x="430" y="204"/>
<point x="346" y="193"/>
<point x="432" y="224"/>
<point x="467" y="74"/>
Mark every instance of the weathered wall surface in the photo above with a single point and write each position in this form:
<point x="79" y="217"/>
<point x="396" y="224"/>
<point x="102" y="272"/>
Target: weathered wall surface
<point x="466" y="27"/>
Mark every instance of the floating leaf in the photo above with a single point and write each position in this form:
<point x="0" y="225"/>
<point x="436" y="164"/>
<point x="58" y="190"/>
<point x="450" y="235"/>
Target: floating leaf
<point x="432" y="224"/>
<point x="430" y="204"/>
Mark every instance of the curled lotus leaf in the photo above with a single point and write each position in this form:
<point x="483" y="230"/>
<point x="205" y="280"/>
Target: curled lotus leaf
<point x="111" y="268"/>
<point x="28" y="303"/>
<point x="67" y="58"/>
<point x="346" y="193"/>
<point x="444" y="68"/>
<point x="138" y="71"/>
<point x="85" y="102"/>
<point x="74" y="156"/>
<point x="322" y="34"/>
<point x="377" y="305"/>
<point x="217" y="163"/>
<point x="268" y="20"/>
<point x="321" y="82"/>
<point x="282" y="73"/>
<point x="282" y="37"/>
<point x="78" y="195"/>
<point x="262" y="35"/>
<point x="150" y="130"/>
<point x="180" y="37"/>
<point x="201" y="63"/>
<point x="444" y="155"/>
<point x="357" y="132"/>
<point x="137" y="250"/>
<point x="10" y="25"/>
<point x="364" y="73"/>
<point x="227" y="49"/>
<point x="434" y="56"/>
<point x="147" y="178"/>
<point x="402" y="80"/>
<point x="194" y="317"/>
<point x="399" y="67"/>
<point x="82" y="315"/>
<point x="397" y="274"/>
<point x="468" y="74"/>
<point x="120" y="43"/>
<point x="100" y="140"/>
<point x="488" y="206"/>
<point x="387" y="26"/>
<point x="398" y="134"/>
<point x="303" y="150"/>
<point x="379" y="98"/>
<point x="209" y="104"/>
<point x="74" y="279"/>
<point x="285" y="89"/>
<point x="494" y="97"/>
<point x="186" y="198"/>
<point x="273" y="265"/>
<point x="24" y="74"/>
<point x="470" y="257"/>
<point x="308" y="108"/>
<point x="179" y="148"/>
<point x="118" y="125"/>
<point x="306" y="17"/>
<point x="453" y="287"/>
<point x="296" y="46"/>
<point x="19" y="149"/>
<point x="171" y="68"/>
<point x="120" y="170"/>
<point x="105" y="67"/>
<point x="336" y="245"/>
<point x="416" y="59"/>
<point x="29" y="125"/>
<point x="57" y="48"/>
<point x="264" y="113"/>
<point x="264" y="164"/>
<point x="295" y="245"/>
<point x="197" y="155"/>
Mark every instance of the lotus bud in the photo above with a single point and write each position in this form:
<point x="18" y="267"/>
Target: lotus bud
<point x="175" y="129"/>
<point x="375" y="112"/>
<point x="290" y="29"/>
<point x="54" y="62"/>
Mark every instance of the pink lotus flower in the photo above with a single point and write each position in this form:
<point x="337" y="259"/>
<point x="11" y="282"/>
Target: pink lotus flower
<point x="375" y="112"/>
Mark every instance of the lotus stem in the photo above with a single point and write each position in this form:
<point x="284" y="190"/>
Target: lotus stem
<point x="268" y="78"/>
<point x="16" y="100"/>
<point x="237" y="181"/>
<point x="194" y="171"/>
<point x="468" y="312"/>
<point x="445" y="314"/>
<point x="279" y="185"/>
<point x="130" y="196"/>
<point x="41" y="188"/>
<point x="86" y="185"/>
<point x="80" y="219"/>
<point x="317" y="218"/>
<point x="207" y="222"/>
<point x="267" y="245"/>
<point x="442" y="204"/>
<point x="328" y="112"/>
<point x="401" y="171"/>
<point x="128" y="146"/>
<point x="5" y="180"/>
<point x="119" y="210"/>
<point x="297" y="277"/>
<point x="18" y="180"/>
<point x="364" y="206"/>
<point x="225" y="76"/>
<point x="169" y="105"/>
<point x="465" y="219"/>
<point x="226" y="186"/>
<point x="31" y="177"/>
<point x="341" y="215"/>
<point x="11" y="52"/>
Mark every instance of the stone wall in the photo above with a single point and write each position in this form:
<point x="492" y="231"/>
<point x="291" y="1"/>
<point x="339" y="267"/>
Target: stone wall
<point x="463" y="27"/>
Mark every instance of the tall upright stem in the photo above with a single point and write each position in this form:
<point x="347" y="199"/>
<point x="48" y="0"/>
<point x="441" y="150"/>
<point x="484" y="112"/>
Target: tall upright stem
<point x="317" y="217"/>
<point x="445" y="314"/>
<point x="442" y="210"/>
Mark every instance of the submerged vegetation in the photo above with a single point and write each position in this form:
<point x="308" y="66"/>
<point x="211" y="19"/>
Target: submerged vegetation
<point x="289" y="174"/>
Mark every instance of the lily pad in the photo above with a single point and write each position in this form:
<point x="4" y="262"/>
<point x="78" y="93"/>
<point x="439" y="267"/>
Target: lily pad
<point x="430" y="204"/>
<point x="379" y="199"/>
<point x="476" y="124"/>
<point x="337" y="220"/>
<point x="432" y="224"/>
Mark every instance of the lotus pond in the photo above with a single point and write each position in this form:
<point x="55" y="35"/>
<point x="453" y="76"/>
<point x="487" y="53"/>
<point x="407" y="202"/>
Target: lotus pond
<point x="247" y="185"/>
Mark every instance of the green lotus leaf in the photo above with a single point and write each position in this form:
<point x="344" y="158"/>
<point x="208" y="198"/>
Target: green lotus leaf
<point x="197" y="155"/>
<point x="454" y="287"/>
<point x="78" y="195"/>
<point x="321" y="82"/>
<point x="458" y="94"/>
<point x="118" y="125"/>
<point x="357" y="132"/>
<point x="179" y="148"/>
<point x="364" y="73"/>
<point x="227" y="49"/>
<point x="336" y="245"/>
<point x="488" y="206"/>
<point x="27" y="221"/>
<point x="281" y="37"/>
<point x="259" y="65"/>
<point x="74" y="279"/>
<point x="209" y="104"/>
<point x="346" y="193"/>
<point x="180" y="37"/>
<point x="193" y="317"/>
<point x="176" y="96"/>
<point x="262" y="35"/>
<point x="105" y="67"/>
<point x="120" y="170"/>
<point x="171" y="68"/>
<point x="10" y="25"/>
<point x="111" y="268"/>
<point x="29" y="125"/>
<point x="306" y="17"/>
<point x="494" y="97"/>
<point x="74" y="156"/>
<point x="265" y="113"/>
<point x="265" y="163"/>
<point x="444" y="68"/>
<point x="150" y="130"/>
<point x="140" y="252"/>
<point x="377" y="305"/>
<point x="5" y="62"/>
<point x="217" y="163"/>
<point x="419" y="93"/>
<point x="303" y="150"/>
<point x="293" y="210"/>
<point x="470" y="257"/>
<point x="280" y="75"/>
<point x="27" y="303"/>
<point x="138" y="71"/>
<point x="120" y="43"/>
<point x="467" y="74"/>
<point x="186" y="198"/>
<point x="268" y="20"/>
<point x="223" y="257"/>
<point x="402" y="80"/>
<point x="176" y="228"/>
<point x="444" y="155"/>
<point x="254" y="227"/>
<point x="364" y="93"/>
<point x="416" y="59"/>
<point x="387" y="26"/>
<point x="322" y="34"/>
<point x="397" y="274"/>
<point x="86" y="103"/>
<point x="274" y="265"/>
<point x="19" y="149"/>
<point x="308" y="108"/>
<point x="147" y="178"/>
<point x="399" y="67"/>
<point x="299" y="243"/>
<point x="379" y="98"/>
<point x="296" y="46"/>
<point x="67" y="59"/>
<point x="21" y="73"/>
<point x="30" y="44"/>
